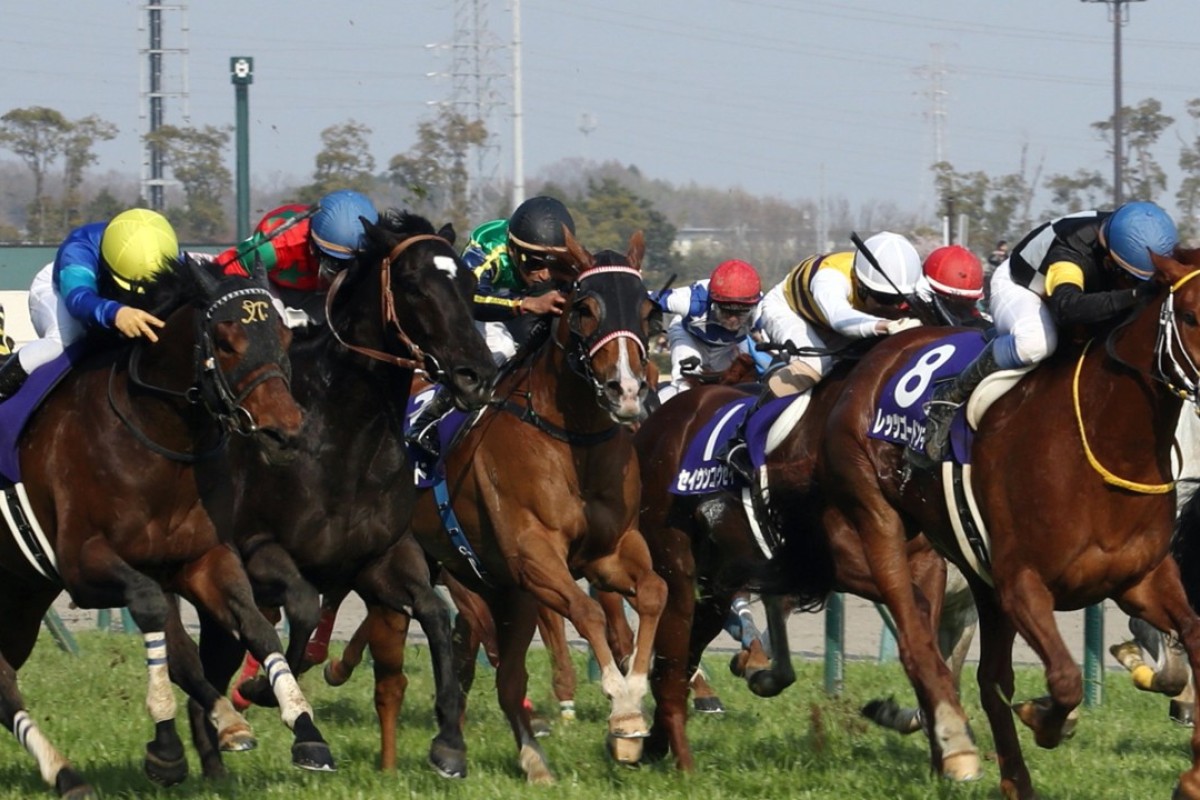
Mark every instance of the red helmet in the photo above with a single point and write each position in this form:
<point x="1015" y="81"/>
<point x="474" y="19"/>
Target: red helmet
<point x="735" y="281"/>
<point x="955" y="271"/>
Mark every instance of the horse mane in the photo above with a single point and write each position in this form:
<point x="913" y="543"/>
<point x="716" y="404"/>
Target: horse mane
<point x="173" y="287"/>
<point x="402" y="224"/>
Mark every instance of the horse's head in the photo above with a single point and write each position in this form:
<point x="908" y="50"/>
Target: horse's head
<point x="243" y="375"/>
<point x="427" y="294"/>
<point x="1177" y="346"/>
<point x="607" y="325"/>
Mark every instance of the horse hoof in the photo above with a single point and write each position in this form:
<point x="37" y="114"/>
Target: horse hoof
<point x="962" y="767"/>
<point x="335" y="673"/>
<point x="1182" y="713"/>
<point x="165" y="772"/>
<point x="540" y="727"/>
<point x="763" y="683"/>
<point x="737" y="664"/>
<point x="237" y="739"/>
<point x="71" y="785"/>
<point x="313" y="756"/>
<point x="708" y="705"/>
<point x="566" y="710"/>
<point x="533" y="764"/>
<point x="448" y="762"/>
<point x="624" y="750"/>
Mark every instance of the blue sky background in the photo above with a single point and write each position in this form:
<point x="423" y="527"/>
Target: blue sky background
<point x="792" y="98"/>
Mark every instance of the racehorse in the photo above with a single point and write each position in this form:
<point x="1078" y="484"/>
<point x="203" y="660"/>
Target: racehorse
<point x="1092" y="521"/>
<point x="544" y="488"/>
<point x="334" y="519"/>
<point x="118" y="467"/>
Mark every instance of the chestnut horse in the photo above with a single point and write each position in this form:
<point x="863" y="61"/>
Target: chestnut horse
<point x="334" y="519"/>
<point x="118" y="466"/>
<point x="1092" y="520"/>
<point x="545" y="488"/>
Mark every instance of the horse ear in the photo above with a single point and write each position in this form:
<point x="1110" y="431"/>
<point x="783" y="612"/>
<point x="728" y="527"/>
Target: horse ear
<point x="1168" y="268"/>
<point x="199" y="269"/>
<point x="447" y="232"/>
<point x="376" y="234"/>
<point x="577" y="254"/>
<point x="637" y="250"/>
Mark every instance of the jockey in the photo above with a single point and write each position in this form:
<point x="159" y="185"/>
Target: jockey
<point x="302" y="259"/>
<point x="715" y="317"/>
<point x="952" y="281"/>
<point x="826" y="302"/>
<point x="512" y="260"/>
<point x="96" y="264"/>
<point x="1079" y="269"/>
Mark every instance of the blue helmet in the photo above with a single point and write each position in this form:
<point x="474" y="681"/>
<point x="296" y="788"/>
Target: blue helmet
<point x="1133" y="231"/>
<point x="336" y="229"/>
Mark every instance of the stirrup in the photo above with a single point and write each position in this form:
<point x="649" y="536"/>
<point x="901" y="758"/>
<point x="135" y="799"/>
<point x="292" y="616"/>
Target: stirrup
<point x="939" y="417"/>
<point x="737" y="459"/>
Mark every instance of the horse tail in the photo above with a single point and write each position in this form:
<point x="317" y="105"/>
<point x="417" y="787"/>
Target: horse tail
<point x="1185" y="547"/>
<point x="801" y="565"/>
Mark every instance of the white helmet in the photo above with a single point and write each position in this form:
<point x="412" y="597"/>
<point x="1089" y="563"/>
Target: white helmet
<point x="898" y="259"/>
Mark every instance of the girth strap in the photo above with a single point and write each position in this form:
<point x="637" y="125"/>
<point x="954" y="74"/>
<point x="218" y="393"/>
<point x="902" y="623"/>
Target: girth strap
<point x="441" y="494"/>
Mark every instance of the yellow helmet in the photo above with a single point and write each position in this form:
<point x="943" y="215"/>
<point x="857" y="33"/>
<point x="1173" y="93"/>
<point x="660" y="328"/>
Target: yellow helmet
<point x="135" y="246"/>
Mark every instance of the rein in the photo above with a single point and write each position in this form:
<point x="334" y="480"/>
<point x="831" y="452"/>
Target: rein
<point x="419" y="359"/>
<point x="527" y="414"/>
<point x="1164" y="353"/>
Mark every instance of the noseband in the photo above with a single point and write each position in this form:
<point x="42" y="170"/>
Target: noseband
<point x="621" y="321"/>
<point x="418" y="359"/>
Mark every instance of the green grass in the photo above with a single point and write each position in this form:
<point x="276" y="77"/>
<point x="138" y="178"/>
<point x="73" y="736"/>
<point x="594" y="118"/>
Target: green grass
<point x="799" y="745"/>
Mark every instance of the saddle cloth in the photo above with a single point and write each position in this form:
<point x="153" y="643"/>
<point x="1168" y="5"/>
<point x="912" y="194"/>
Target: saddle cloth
<point x="16" y="411"/>
<point x="425" y="470"/>
<point x="700" y="472"/>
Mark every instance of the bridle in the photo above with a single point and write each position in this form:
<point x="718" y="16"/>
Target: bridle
<point x="221" y="394"/>
<point x="418" y="359"/>
<point x="620" y="324"/>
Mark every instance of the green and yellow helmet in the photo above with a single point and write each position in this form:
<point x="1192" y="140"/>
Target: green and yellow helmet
<point x="135" y="246"/>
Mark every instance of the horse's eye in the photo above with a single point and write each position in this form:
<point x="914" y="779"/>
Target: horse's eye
<point x="226" y="346"/>
<point x="1189" y="317"/>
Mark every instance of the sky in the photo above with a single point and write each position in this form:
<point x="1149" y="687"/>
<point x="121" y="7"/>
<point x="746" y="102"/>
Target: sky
<point x="798" y="99"/>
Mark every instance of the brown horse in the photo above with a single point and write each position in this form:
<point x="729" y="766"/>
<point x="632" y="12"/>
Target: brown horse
<point x="403" y="305"/>
<point x="545" y="487"/>
<point x="117" y="465"/>
<point x="1092" y="521"/>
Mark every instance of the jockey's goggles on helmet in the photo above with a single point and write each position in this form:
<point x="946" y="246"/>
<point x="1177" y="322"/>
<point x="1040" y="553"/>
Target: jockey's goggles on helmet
<point x="731" y="316"/>
<point x="884" y="298"/>
<point x="528" y="261"/>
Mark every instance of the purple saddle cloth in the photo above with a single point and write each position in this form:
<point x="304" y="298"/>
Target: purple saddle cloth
<point x="425" y="470"/>
<point x="700" y="472"/>
<point x="900" y="415"/>
<point x="16" y="410"/>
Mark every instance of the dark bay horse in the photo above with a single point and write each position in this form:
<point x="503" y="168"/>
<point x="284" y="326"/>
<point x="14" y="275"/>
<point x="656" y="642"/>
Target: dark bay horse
<point x="334" y="519"/>
<point x="545" y="488"/>
<point x="1091" y="520"/>
<point x="118" y="466"/>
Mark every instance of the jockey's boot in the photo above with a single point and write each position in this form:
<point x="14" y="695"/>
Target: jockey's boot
<point x="736" y="453"/>
<point x="423" y="431"/>
<point x="12" y="377"/>
<point x="949" y="396"/>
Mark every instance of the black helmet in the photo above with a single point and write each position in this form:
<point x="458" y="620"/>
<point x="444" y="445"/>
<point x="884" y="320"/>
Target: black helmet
<point x="537" y="226"/>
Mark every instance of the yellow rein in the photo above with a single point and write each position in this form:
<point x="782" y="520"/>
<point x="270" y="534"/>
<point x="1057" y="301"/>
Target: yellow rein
<point x="1109" y="477"/>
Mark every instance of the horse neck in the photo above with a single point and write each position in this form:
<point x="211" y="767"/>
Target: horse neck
<point x="561" y="395"/>
<point x="169" y="364"/>
<point x="1130" y="391"/>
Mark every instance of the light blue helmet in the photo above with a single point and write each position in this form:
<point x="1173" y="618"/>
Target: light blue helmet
<point x="1133" y="231"/>
<point x="336" y="229"/>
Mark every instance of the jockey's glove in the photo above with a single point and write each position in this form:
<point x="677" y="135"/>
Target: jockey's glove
<point x="902" y="324"/>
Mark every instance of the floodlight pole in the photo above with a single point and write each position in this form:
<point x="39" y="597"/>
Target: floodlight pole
<point x="241" y="74"/>
<point x="1119" y="17"/>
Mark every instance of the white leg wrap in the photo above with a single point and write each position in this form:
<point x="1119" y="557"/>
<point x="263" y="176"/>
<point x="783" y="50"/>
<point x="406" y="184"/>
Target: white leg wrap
<point x="612" y="682"/>
<point x="49" y="760"/>
<point x="160" y="697"/>
<point x="291" y="700"/>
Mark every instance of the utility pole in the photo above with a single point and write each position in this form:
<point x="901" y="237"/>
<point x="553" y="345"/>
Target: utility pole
<point x="241" y="74"/>
<point x="155" y="91"/>
<point x="1119" y="16"/>
<point x="518" y="121"/>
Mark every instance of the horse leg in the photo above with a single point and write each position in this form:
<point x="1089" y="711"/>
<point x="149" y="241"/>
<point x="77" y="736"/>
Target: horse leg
<point x="669" y="680"/>
<point x="56" y="771"/>
<point x="995" y="679"/>
<point x="1159" y="599"/>
<point x="553" y="630"/>
<point x="339" y="670"/>
<point x="952" y="751"/>
<point x="403" y="583"/>
<point x="217" y="583"/>
<point x="620" y="635"/>
<point x="515" y="615"/>
<point x="629" y="572"/>
<point x="317" y="649"/>
<point x="387" y="632"/>
<point x="216" y="724"/>
<point x="22" y="619"/>
<point x="473" y="626"/>
<point x="1030" y="606"/>
<point x="780" y="673"/>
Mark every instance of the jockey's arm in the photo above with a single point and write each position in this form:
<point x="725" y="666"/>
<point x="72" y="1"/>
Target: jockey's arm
<point x="1069" y="304"/>
<point x="832" y="292"/>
